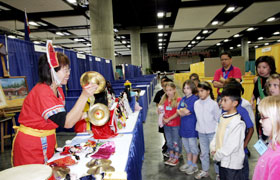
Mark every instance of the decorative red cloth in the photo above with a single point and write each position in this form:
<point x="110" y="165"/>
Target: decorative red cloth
<point x="62" y="162"/>
<point x="38" y="106"/>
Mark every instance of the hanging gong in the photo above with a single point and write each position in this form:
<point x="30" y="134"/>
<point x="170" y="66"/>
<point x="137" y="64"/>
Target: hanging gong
<point x="95" y="78"/>
<point x="99" y="114"/>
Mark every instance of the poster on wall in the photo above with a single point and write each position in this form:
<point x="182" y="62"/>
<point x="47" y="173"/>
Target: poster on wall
<point x="15" y="90"/>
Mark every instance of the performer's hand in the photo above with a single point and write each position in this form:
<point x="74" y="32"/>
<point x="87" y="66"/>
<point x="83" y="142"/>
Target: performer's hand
<point x="89" y="89"/>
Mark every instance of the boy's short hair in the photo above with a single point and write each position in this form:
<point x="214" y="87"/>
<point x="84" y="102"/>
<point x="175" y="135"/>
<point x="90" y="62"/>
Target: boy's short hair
<point x="233" y="83"/>
<point x="167" y="80"/>
<point x="233" y="94"/>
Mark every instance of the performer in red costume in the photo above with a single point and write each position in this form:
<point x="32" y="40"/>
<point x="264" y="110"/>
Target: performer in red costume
<point x="43" y="111"/>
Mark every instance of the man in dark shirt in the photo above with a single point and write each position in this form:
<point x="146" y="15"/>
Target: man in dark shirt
<point x="157" y="99"/>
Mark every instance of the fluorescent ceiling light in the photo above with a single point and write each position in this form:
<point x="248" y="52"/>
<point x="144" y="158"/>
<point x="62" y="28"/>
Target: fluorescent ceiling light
<point x="249" y="42"/>
<point x="160" y="44"/>
<point x="250" y="29"/>
<point x="236" y="35"/>
<point x="256" y="46"/>
<point x="41" y="23"/>
<point x="166" y="26"/>
<point x="79" y="40"/>
<point x="160" y="14"/>
<point x="118" y="37"/>
<point x="230" y="9"/>
<point x="160" y="47"/>
<point x="165" y="34"/>
<point x="266" y="44"/>
<point x="260" y="38"/>
<point x="124" y="41"/>
<point x="218" y="44"/>
<point x="198" y="37"/>
<point x="72" y="1"/>
<point x="59" y="33"/>
<point x="115" y="30"/>
<point x="205" y="31"/>
<point x="231" y="48"/>
<point x="278" y="40"/>
<point x="193" y="42"/>
<point x="215" y="23"/>
<point x="160" y="40"/>
<point x="160" y="34"/>
<point x="271" y="19"/>
<point x="128" y="46"/>
<point x="160" y="26"/>
<point x="226" y="40"/>
<point x="123" y="37"/>
<point x="238" y="45"/>
<point x="32" y="23"/>
<point x="12" y="36"/>
<point x="36" y="42"/>
<point x="276" y="33"/>
<point x="88" y="44"/>
<point x="189" y="45"/>
<point x="66" y="33"/>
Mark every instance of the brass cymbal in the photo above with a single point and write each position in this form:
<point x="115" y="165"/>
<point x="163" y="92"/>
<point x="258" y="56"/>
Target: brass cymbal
<point x="95" y="78"/>
<point x="99" y="114"/>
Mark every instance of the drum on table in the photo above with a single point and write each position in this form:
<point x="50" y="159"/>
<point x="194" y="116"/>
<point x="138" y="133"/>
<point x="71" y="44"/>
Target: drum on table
<point x="28" y="172"/>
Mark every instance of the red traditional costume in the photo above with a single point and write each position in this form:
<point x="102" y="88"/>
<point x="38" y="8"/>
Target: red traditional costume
<point x="36" y="140"/>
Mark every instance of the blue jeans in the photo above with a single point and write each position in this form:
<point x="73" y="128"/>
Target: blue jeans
<point x="173" y="139"/>
<point x="190" y="145"/>
<point x="204" y="140"/>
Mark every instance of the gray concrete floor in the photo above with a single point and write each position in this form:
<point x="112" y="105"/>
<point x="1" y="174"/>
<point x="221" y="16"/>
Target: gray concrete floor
<point x="153" y="165"/>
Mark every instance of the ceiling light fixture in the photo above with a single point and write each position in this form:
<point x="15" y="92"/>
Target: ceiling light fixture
<point x="189" y="45"/>
<point x="59" y="33"/>
<point x="160" y="47"/>
<point x="218" y="44"/>
<point x="160" y="26"/>
<point x="12" y="36"/>
<point x="41" y="23"/>
<point x="88" y="44"/>
<point x="168" y="14"/>
<point x="79" y="40"/>
<point x="250" y="29"/>
<point x="118" y="37"/>
<point x="160" y="14"/>
<point x="32" y="23"/>
<point x="115" y="30"/>
<point x="160" y="40"/>
<point x="205" y="31"/>
<point x="256" y="46"/>
<point x="160" y="44"/>
<point x="160" y="34"/>
<point x="215" y="23"/>
<point x="123" y="37"/>
<point x="276" y="33"/>
<point x="226" y="40"/>
<point x="249" y="42"/>
<point x="238" y="45"/>
<point x="278" y="40"/>
<point x="165" y="34"/>
<point x="230" y="9"/>
<point x="193" y="42"/>
<point x="72" y="1"/>
<point x="260" y="38"/>
<point x="66" y="33"/>
<point x="128" y="46"/>
<point x="166" y="26"/>
<point x="270" y="19"/>
<point x="198" y="37"/>
<point x="36" y="42"/>
<point x="266" y="44"/>
<point x="236" y="35"/>
<point x="231" y="48"/>
<point x="124" y="41"/>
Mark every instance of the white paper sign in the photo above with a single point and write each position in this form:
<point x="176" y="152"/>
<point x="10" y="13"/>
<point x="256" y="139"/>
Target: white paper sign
<point x="97" y="59"/>
<point x="81" y="56"/>
<point x="107" y="61"/>
<point x="40" y="48"/>
<point x="266" y="49"/>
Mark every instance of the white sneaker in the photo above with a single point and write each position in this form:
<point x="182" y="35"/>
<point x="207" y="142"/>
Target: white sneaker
<point x="191" y="170"/>
<point x="184" y="167"/>
<point x="217" y="177"/>
<point x="201" y="174"/>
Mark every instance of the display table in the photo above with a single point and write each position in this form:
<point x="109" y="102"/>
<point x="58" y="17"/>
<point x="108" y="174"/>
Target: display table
<point x="129" y="151"/>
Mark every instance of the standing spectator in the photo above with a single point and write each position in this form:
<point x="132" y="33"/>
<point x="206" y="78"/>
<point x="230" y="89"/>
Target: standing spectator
<point x="195" y="78"/>
<point x="273" y="85"/>
<point x="187" y="128"/>
<point x="171" y="119"/>
<point x="227" y="71"/>
<point x="268" y="165"/>
<point x="207" y="114"/>
<point x="265" y="66"/>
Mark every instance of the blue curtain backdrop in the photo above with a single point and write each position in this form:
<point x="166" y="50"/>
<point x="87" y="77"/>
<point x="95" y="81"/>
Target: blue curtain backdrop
<point x="23" y="61"/>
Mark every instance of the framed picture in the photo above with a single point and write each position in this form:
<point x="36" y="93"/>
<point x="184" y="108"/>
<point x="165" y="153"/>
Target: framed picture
<point x="15" y="90"/>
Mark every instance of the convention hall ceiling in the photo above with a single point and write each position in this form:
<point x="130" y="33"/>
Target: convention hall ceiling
<point x="186" y="25"/>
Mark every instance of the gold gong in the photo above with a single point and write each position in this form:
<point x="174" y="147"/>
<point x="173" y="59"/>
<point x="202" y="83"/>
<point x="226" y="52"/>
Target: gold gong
<point x="99" y="114"/>
<point x="95" y="78"/>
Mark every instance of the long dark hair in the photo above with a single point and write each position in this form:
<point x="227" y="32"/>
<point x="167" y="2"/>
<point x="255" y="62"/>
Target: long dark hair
<point x="44" y="68"/>
<point x="269" y="60"/>
<point x="206" y="86"/>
